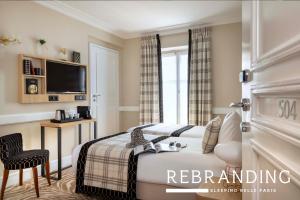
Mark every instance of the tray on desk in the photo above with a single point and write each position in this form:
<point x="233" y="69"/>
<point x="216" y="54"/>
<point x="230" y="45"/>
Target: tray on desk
<point x="66" y="120"/>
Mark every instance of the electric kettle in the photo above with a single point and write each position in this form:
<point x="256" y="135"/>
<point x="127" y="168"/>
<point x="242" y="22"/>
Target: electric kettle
<point x="60" y="115"/>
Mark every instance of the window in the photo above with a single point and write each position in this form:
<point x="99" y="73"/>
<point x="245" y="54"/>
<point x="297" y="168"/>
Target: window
<point x="174" y="80"/>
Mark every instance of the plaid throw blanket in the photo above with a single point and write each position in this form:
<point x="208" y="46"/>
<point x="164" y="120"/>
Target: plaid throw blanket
<point x="107" y="168"/>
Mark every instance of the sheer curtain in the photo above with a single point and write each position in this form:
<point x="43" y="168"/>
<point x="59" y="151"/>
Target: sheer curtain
<point x="199" y="83"/>
<point x="151" y="110"/>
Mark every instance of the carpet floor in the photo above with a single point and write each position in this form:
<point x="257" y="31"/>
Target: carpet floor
<point x="62" y="189"/>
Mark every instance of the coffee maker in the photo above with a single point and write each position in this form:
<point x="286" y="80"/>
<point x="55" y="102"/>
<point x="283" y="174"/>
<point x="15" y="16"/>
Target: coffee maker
<point x="84" y="112"/>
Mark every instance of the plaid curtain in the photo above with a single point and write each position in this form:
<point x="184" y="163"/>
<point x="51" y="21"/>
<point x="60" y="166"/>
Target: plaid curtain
<point x="151" y="82"/>
<point x="199" y="83"/>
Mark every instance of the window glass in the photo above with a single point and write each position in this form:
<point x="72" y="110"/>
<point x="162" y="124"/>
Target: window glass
<point x="174" y="75"/>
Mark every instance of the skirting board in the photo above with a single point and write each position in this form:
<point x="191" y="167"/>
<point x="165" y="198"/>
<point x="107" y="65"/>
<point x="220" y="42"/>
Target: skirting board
<point x="13" y="178"/>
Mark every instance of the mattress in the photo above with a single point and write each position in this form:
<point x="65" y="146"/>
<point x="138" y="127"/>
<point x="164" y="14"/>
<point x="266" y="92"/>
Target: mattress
<point x="153" y="168"/>
<point x="167" y="129"/>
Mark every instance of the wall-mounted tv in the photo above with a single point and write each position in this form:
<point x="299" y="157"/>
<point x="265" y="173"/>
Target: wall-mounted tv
<point x="65" y="78"/>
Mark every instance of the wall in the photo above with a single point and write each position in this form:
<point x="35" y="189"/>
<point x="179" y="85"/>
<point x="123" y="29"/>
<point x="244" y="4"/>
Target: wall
<point x="29" y="21"/>
<point x="226" y="64"/>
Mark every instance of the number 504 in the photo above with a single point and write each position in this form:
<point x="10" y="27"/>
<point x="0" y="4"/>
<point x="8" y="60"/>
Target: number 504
<point x="287" y="109"/>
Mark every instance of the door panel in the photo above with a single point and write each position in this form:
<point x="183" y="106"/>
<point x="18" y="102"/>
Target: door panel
<point x="274" y="140"/>
<point x="274" y="16"/>
<point x="105" y="89"/>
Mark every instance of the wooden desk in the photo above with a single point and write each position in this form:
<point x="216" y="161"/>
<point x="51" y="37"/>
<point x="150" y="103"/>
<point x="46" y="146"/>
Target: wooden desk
<point x="59" y="127"/>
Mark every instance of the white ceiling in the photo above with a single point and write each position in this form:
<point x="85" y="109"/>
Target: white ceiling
<point x="128" y="19"/>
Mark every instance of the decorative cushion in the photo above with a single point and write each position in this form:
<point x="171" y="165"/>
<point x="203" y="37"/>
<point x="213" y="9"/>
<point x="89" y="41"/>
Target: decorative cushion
<point x="27" y="159"/>
<point x="230" y="152"/>
<point x="211" y="135"/>
<point x="230" y="130"/>
<point x="137" y="138"/>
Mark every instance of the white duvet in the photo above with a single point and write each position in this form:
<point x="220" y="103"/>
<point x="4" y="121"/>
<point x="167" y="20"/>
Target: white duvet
<point x="167" y="129"/>
<point x="153" y="168"/>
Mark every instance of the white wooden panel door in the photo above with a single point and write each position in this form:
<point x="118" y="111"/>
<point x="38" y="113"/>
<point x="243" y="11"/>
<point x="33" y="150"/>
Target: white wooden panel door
<point x="104" y="64"/>
<point x="271" y="50"/>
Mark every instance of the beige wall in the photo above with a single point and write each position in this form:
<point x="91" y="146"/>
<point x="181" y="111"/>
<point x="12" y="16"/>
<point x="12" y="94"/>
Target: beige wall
<point x="30" y="21"/>
<point x="226" y="64"/>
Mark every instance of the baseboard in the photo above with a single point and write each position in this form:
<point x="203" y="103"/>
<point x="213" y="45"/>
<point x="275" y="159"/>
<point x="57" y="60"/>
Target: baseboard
<point x="13" y="178"/>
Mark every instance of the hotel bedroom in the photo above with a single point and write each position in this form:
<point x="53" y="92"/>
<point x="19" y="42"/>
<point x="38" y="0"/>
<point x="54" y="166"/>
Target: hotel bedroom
<point x="123" y="99"/>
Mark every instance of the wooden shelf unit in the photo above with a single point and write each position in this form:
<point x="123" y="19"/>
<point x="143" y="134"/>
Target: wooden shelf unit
<point x="42" y="96"/>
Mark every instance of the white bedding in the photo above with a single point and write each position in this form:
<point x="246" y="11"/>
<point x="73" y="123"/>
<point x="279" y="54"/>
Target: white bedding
<point x="167" y="129"/>
<point x="152" y="168"/>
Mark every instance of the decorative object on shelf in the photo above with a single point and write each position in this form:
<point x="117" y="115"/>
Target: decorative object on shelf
<point x="31" y="86"/>
<point x="63" y="54"/>
<point x="37" y="71"/>
<point x="5" y="40"/>
<point x="27" y="64"/>
<point x="42" y="47"/>
<point x="42" y="42"/>
<point x="76" y="57"/>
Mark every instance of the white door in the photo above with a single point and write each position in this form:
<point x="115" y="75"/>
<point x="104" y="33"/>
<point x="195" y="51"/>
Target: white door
<point x="271" y="50"/>
<point x="104" y="68"/>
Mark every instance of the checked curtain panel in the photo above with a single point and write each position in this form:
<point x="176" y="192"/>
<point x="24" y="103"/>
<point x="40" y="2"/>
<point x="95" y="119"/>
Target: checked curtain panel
<point x="151" y="90"/>
<point x="199" y="91"/>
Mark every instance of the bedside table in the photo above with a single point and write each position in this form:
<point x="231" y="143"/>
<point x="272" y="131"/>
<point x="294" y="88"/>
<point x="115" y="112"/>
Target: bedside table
<point x="217" y="195"/>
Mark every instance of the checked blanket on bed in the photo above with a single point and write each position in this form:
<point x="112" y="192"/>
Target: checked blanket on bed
<point x="107" y="168"/>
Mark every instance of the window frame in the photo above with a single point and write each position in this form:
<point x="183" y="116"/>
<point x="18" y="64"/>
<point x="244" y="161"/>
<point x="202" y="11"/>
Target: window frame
<point x="177" y="52"/>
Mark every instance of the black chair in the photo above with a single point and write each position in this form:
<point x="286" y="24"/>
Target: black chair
<point x="14" y="158"/>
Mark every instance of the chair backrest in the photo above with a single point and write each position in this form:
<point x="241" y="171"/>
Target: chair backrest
<point x="10" y="145"/>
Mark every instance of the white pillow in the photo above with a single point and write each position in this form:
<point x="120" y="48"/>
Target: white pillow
<point x="230" y="129"/>
<point x="230" y="152"/>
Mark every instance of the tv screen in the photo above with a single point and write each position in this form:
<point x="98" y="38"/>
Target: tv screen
<point x="65" y="78"/>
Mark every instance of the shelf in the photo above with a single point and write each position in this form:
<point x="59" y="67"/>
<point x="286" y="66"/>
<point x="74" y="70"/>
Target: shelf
<point x="34" y="76"/>
<point x="42" y="96"/>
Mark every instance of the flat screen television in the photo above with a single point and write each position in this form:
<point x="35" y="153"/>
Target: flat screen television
<point x="65" y="78"/>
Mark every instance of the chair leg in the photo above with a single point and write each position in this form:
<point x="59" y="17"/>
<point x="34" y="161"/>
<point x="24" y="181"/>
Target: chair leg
<point x="20" y="177"/>
<point x="36" y="182"/>
<point x="48" y="172"/>
<point x="4" y="181"/>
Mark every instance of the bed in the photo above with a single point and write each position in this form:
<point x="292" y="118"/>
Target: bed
<point x="172" y="130"/>
<point x="151" y="177"/>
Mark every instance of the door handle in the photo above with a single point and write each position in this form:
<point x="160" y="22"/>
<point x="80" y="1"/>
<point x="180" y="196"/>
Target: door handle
<point x="96" y="95"/>
<point x="244" y="104"/>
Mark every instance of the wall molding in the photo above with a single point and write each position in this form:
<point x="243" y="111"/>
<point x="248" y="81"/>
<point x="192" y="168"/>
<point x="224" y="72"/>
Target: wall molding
<point x="25" y="117"/>
<point x="13" y="178"/>
<point x="216" y="110"/>
<point x="129" y="108"/>
<point x="32" y="117"/>
<point x="275" y="161"/>
<point x="84" y="17"/>
<point x="224" y="110"/>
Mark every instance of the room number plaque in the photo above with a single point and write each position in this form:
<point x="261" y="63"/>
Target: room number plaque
<point x="284" y="108"/>
<point x="287" y="109"/>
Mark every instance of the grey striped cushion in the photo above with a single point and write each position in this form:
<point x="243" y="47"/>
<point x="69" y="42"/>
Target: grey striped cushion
<point x="211" y="135"/>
